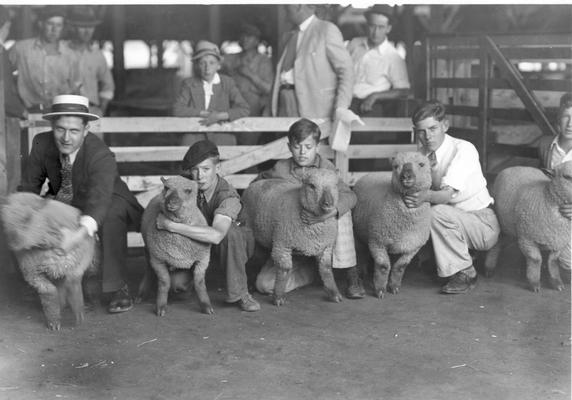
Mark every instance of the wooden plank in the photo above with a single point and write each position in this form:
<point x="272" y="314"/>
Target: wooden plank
<point x="530" y="39"/>
<point x="562" y="54"/>
<point x="169" y="153"/>
<point x="512" y="150"/>
<point x="3" y="131"/>
<point x="527" y="97"/>
<point x="383" y="125"/>
<point x="187" y="125"/>
<point x="557" y="85"/>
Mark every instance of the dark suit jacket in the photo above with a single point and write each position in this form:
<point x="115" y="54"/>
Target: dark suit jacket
<point x="544" y="150"/>
<point x="94" y="175"/>
<point x="12" y="103"/>
<point x="226" y="97"/>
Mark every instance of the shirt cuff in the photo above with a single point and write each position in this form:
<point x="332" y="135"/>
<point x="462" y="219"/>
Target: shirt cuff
<point x="89" y="224"/>
<point x="107" y="95"/>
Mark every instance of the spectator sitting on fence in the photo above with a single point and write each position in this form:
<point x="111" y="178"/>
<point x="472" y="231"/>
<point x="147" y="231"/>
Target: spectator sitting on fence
<point x="380" y="72"/>
<point x="556" y="150"/>
<point x="462" y="215"/>
<point x="208" y="95"/>
<point x="46" y="68"/>
<point x="82" y="172"/>
<point x="303" y="142"/>
<point x="220" y="204"/>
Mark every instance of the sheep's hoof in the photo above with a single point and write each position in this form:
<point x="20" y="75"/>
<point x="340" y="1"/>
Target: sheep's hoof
<point x="138" y="300"/>
<point x="279" y="301"/>
<point x="207" y="309"/>
<point x="54" y="325"/>
<point x="161" y="311"/>
<point x="380" y="294"/>
<point x="336" y="297"/>
<point x="557" y="284"/>
<point x="393" y="289"/>
<point x="489" y="272"/>
<point x="535" y="287"/>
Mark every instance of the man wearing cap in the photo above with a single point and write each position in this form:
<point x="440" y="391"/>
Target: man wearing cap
<point x="82" y="172"/>
<point x="208" y="95"/>
<point x="314" y="75"/>
<point x="220" y="204"/>
<point x="46" y="68"/>
<point x="97" y="81"/>
<point x="380" y="72"/>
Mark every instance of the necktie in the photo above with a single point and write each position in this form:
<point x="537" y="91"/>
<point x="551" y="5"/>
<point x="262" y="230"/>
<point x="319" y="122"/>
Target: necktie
<point x="65" y="193"/>
<point x="290" y="56"/>
<point x="201" y="201"/>
<point x="435" y="178"/>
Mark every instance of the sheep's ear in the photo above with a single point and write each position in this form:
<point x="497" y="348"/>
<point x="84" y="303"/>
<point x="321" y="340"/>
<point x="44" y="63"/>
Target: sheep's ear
<point x="163" y="180"/>
<point x="548" y="172"/>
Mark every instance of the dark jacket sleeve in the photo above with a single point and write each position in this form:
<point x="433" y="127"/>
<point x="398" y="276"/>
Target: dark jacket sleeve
<point x="98" y="189"/>
<point x="239" y="108"/>
<point x="12" y="103"/>
<point x="184" y="105"/>
<point x="36" y="171"/>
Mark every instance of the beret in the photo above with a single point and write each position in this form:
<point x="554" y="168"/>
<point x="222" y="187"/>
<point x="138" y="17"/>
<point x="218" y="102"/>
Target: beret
<point x="198" y="153"/>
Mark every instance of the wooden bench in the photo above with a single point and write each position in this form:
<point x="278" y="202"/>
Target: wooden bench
<point x="234" y="159"/>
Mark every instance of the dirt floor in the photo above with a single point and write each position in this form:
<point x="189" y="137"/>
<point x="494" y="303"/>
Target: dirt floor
<point x="500" y="342"/>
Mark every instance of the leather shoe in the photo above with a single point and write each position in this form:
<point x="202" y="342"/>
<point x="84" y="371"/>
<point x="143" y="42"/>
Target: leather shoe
<point x="460" y="283"/>
<point x="249" y="304"/>
<point x="355" y="288"/>
<point x="121" y="301"/>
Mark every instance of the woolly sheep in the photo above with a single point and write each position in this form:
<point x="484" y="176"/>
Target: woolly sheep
<point x="384" y="224"/>
<point x="33" y="232"/>
<point x="272" y="208"/>
<point x="527" y="205"/>
<point x="170" y="254"/>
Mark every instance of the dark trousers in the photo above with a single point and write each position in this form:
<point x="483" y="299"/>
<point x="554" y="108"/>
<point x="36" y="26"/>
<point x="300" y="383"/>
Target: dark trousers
<point x="232" y="253"/>
<point x="122" y="216"/>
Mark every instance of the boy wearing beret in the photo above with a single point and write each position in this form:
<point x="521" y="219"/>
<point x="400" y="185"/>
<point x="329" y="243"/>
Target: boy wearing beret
<point x="220" y="204"/>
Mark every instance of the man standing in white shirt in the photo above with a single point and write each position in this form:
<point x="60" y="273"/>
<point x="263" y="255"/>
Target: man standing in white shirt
<point x="462" y="214"/>
<point x="380" y="72"/>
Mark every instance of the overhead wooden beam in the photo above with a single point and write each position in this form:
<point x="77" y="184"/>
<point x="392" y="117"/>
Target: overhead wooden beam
<point x="118" y="38"/>
<point x="214" y="24"/>
<point x="510" y="72"/>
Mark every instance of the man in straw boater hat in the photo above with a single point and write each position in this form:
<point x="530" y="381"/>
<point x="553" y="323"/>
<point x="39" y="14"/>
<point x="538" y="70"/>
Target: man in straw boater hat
<point x="96" y="79"/>
<point x="82" y="172"/>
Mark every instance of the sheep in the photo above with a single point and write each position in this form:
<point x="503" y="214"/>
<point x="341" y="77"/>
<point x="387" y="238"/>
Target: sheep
<point x="33" y="232"/>
<point x="171" y="255"/>
<point x="384" y="224"/>
<point x="527" y="205"/>
<point x="273" y="207"/>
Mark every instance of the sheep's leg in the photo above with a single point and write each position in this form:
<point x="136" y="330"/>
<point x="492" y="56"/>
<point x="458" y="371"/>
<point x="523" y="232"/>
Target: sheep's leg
<point x="381" y="265"/>
<point x="398" y="269"/>
<point x="50" y="298"/>
<point x="283" y="260"/>
<point x="325" y="269"/>
<point x="163" y="285"/>
<point x="533" y="262"/>
<point x="493" y="255"/>
<point x="363" y="258"/>
<point x="554" y="271"/>
<point x="200" y="286"/>
<point x="74" y="296"/>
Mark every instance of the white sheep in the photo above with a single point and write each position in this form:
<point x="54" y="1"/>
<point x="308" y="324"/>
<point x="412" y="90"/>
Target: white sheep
<point x="384" y="224"/>
<point x="33" y="232"/>
<point x="527" y="205"/>
<point x="273" y="207"/>
<point x="170" y="254"/>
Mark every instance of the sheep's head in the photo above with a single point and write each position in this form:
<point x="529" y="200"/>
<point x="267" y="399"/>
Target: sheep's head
<point x="561" y="181"/>
<point x="319" y="191"/>
<point x="178" y="194"/>
<point x="411" y="173"/>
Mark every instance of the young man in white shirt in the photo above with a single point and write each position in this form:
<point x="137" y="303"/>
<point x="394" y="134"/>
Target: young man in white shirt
<point x="462" y="214"/>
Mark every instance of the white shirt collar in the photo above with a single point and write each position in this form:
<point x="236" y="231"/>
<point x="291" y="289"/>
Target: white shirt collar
<point x="215" y="81"/>
<point x="72" y="156"/>
<point x="380" y="47"/>
<point x="304" y="25"/>
<point x="444" y="148"/>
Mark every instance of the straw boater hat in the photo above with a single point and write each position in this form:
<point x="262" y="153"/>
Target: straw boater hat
<point x="69" y="104"/>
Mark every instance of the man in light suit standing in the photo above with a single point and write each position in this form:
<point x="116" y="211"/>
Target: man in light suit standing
<point x="314" y="76"/>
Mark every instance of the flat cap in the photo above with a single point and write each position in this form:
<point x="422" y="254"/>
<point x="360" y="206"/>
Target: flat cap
<point x="198" y="153"/>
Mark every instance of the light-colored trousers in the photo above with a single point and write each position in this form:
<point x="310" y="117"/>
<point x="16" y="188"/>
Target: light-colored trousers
<point x="454" y="232"/>
<point x="304" y="269"/>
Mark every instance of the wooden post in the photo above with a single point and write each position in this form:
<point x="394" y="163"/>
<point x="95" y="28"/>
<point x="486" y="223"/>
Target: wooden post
<point x="3" y="131"/>
<point x="484" y="105"/>
<point x="118" y="37"/>
<point x="342" y="162"/>
<point x="214" y="24"/>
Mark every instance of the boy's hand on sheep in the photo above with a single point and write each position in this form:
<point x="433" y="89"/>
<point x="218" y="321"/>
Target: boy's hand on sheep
<point x="71" y="238"/>
<point x="566" y="210"/>
<point x="310" y="219"/>
<point x="415" y="200"/>
<point x="164" y="223"/>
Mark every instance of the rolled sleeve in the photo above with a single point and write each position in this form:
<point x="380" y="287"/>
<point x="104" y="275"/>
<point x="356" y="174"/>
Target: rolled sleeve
<point x="229" y="207"/>
<point x="89" y="224"/>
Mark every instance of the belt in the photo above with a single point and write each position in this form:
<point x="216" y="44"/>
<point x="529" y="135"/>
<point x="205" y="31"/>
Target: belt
<point x="287" y="86"/>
